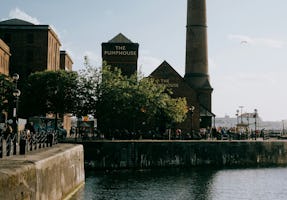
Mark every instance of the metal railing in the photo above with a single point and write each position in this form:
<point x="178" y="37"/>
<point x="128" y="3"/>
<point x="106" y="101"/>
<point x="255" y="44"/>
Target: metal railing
<point x="25" y="141"/>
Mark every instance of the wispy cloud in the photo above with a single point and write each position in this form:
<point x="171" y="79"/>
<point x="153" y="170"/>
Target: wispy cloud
<point x="17" y="13"/>
<point x="258" y="41"/>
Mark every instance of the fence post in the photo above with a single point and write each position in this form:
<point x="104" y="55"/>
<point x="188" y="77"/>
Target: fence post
<point x="8" y="145"/>
<point x="1" y="146"/>
<point x="22" y="144"/>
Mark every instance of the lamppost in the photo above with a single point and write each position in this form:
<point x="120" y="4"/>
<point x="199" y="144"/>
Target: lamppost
<point x="283" y="128"/>
<point x="255" y="122"/>
<point x="16" y="94"/>
<point x="241" y="107"/>
<point x="191" y="110"/>
<point x="237" y="114"/>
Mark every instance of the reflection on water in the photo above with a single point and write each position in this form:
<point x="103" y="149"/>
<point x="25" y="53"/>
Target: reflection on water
<point x="177" y="184"/>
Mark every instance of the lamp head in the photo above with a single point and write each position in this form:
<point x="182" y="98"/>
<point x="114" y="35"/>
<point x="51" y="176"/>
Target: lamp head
<point x="15" y="77"/>
<point x="16" y="93"/>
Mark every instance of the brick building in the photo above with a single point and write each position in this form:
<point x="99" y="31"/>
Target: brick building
<point x="180" y="87"/>
<point x="122" y="53"/>
<point x="66" y="63"/>
<point x="33" y="47"/>
<point x="167" y="76"/>
<point x="4" y="58"/>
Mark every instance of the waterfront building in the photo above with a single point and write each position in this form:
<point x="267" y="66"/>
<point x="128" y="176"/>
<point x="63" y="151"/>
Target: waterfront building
<point x="4" y="58"/>
<point x="199" y="90"/>
<point x="33" y="47"/>
<point x="66" y="63"/>
<point x="167" y="76"/>
<point x="122" y="53"/>
<point x="196" y="62"/>
<point x="194" y="86"/>
<point x="229" y="122"/>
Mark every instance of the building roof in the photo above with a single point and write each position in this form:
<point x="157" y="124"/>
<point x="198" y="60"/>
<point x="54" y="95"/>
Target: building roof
<point x="166" y="71"/>
<point x="120" y="38"/>
<point x="19" y="24"/>
<point x="15" y="21"/>
<point x="64" y="53"/>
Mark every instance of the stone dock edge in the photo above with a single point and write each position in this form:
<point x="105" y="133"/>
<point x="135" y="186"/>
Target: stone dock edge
<point x="49" y="173"/>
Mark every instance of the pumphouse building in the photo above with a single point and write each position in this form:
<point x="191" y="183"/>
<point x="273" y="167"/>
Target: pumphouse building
<point x="194" y="86"/>
<point x="122" y="53"/>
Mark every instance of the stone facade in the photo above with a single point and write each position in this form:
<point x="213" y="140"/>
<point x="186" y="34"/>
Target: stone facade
<point x="186" y="154"/>
<point x="4" y="58"/>
<point x="50" y="173"/>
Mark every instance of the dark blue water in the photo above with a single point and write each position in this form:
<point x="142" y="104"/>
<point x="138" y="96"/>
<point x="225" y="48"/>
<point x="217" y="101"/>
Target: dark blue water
<point x="195" y="184"/>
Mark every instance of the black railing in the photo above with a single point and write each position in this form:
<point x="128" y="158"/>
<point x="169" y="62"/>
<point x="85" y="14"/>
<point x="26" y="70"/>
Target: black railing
<point x="168" y="135"/>
<point x="26" y="141"/>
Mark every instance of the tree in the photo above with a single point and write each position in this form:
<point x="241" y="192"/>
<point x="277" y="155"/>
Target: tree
<point x="126" y="103"/>
<point x="87" y="89"/>
<point x="49" y="92"/>
<point x="122" y="102"/>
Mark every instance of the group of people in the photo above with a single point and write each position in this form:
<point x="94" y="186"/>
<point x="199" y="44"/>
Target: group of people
<point x="6" y="131"/>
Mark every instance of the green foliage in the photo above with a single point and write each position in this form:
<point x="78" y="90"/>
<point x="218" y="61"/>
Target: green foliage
<point x="128" y="103"/>
<point x="87" y="90"/>
<point x="117" y="101"/>
<point x="49" y="92"/>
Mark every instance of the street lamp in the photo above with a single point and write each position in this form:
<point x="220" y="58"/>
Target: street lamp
<point x="16" y="78"/>
<point x="241" y="113"/>
<point x="191" y="110"/>
<point x="16" y="94"/>
<point x="283" y="127"/>
<point x="255" y="122"/>
<point x="237" y="114"/>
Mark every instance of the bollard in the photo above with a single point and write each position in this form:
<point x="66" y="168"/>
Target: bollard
<point x="22" y="146"/>
<point x="1" y="146"/>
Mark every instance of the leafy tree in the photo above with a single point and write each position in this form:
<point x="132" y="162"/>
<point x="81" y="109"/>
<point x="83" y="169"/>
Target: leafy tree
<point x="128" y="103"/>
<point x="49" y="92"/>
<point x="117" y="101"/>
<point x="87" y="89"/>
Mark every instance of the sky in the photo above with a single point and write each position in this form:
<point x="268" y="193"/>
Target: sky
<point x="247" y="42"/>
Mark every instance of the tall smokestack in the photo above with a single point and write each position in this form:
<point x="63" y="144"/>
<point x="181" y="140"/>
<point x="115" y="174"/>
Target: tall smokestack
<point x="196" y="60"/>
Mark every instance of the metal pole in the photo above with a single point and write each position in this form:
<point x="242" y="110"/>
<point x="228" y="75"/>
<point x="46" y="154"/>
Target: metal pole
<point x="282" y="127"/>
<point x="241" y="107"/>
<point x="255" y="123"/>
<point x="191" y="109"/>
<point x="16" y="94"/>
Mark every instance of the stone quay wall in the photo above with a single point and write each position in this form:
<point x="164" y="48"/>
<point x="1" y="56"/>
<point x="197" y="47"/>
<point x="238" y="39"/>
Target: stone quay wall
<point x="49" y="173"/>
<point x="158" y="154"/>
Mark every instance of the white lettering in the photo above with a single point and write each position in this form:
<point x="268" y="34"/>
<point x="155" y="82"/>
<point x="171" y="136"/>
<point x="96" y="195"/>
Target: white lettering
<point x="120" y="53"/>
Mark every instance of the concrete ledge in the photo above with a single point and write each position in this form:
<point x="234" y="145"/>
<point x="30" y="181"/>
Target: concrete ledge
<point x="49" y="173"/>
